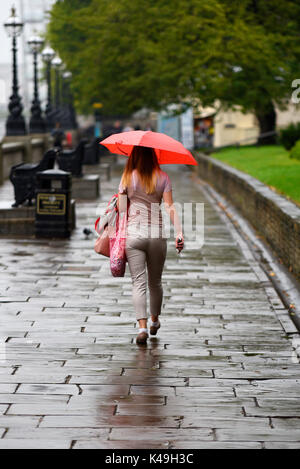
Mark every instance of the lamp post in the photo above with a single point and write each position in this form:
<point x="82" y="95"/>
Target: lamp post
<point x="15" y="124"/>
<point x="57" y="64"/>
<point x="48" y="55"/>
<point x="66" y="87"/>
<point x="37" y="123"/>
<point x="71" y="122"/>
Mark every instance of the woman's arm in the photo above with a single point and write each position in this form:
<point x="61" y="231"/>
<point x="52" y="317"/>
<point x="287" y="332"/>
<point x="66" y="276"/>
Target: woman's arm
<point x="171" y="210"/>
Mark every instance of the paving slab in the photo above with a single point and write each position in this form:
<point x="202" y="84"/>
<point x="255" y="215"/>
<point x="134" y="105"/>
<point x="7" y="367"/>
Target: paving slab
<point x="211" y="445"/>
<point x="59" y="389"/>
<point x="281" y="445"/>
<point x="56" y="434"/>
<point x="28" y="399"/>
<point x="107" y="444"/>
<point x="163" y="435"/>
<point x="7" y="443"/>
<point x="257" y="435"/>
<point x="221" y="374"/>
<point x="3" y="408"/>
<point x="7" y="388"/>
<point x="58" y="409"/>
<point x="204" y="411"/>
<point x="101" y="421"/>
<point x="18" y="421"/>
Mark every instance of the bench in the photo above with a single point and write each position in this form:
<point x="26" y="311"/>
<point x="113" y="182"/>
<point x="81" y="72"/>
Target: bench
<point x="23" y="177"/>
<point x="72" y="160"/>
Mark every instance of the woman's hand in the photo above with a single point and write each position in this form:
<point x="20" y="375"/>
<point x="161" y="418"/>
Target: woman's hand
<point x="179" y="244"/>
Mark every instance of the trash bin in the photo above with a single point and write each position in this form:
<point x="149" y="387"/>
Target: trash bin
<point x="53" y="218"/>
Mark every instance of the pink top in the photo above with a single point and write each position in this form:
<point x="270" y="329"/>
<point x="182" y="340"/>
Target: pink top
<point x="144" y="209"/>
<point x="163" y="183"/>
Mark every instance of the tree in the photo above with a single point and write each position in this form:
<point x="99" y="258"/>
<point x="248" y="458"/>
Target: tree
<point x="263" y="53"/>
<point x="134" y="53"/>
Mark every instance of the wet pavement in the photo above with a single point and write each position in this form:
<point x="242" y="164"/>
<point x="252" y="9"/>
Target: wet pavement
<point x="220" y="374"/>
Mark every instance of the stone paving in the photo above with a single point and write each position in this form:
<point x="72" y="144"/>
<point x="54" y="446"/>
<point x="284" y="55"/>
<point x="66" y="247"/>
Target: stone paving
<point x="220" y="374"/>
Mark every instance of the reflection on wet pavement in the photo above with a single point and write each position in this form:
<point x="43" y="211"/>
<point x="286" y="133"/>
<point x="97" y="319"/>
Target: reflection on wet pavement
<point x="218" y="375"/>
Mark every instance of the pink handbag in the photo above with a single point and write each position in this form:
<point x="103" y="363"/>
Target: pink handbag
<point x="102" y="243"/>
<point x="104" y="226"/>
<point x="117" y="247"/>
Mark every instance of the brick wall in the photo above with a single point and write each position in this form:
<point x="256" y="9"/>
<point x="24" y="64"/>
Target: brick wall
<point x="275" y="217"/>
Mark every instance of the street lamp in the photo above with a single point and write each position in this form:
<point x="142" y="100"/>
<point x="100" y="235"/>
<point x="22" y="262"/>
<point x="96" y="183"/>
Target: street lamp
<point x="48" y="55"/>
<point x="37" y="123"/>
<point x="57" y="63"/>
<point x="66" y="92"/>
<point x="67" y="75"/>
<point x="15" y="124"/>
<point x="69" y="110"/>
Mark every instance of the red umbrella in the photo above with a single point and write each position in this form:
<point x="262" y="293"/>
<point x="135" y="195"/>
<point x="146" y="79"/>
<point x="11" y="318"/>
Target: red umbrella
<point x="168" y="150"/>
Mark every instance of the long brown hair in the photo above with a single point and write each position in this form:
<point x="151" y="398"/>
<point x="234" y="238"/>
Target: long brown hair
<point x="144" y="160"/>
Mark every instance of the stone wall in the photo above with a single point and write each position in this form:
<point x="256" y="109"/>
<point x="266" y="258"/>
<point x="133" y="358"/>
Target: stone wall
<point x="38" y="148"/>
<point x="15" y="150"/>
<point x="10" y="155"/>
<point x="275" y="217"/>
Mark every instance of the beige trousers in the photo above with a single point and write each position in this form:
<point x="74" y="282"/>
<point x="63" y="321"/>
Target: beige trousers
<point x="151" y="252"/>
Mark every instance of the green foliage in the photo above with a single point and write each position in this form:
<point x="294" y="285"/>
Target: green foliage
<point x="129" y="54"/>
<point x="295" y="151"/>
<point x="290" y="135"/>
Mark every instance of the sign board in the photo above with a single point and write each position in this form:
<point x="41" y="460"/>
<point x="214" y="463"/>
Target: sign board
<point x="51" y="204"/>
<point x="187" y="129"/>
<point x="98" y="129"/>
<point x="169" y="125"/>
<point x="180" y="127"/>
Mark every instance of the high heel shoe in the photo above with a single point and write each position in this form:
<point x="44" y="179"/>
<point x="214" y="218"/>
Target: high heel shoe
<point x="154" y="328"/>
<point x="141" y="338"/>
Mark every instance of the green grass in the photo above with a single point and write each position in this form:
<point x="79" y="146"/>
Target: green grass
<point x="270" y="164"/>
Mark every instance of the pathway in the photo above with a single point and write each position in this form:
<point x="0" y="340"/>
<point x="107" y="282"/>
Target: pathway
<point x="221" y="373"/>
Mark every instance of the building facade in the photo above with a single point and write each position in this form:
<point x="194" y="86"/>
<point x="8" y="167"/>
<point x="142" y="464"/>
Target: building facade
<point x="222" y="128"/>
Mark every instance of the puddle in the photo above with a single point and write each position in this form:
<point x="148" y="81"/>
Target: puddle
<point x="21" y="253"/>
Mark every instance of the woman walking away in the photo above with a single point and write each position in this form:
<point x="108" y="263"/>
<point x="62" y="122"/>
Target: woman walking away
<point x="144" y="185"/>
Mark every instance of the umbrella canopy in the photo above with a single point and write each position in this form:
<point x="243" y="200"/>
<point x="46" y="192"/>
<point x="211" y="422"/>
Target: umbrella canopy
<point x="167" y="149"/>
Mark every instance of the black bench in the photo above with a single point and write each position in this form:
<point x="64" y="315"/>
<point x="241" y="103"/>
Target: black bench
<point x="92" y="152"/>
<point x="23" y="177"/>
<point x="72" y="160"/>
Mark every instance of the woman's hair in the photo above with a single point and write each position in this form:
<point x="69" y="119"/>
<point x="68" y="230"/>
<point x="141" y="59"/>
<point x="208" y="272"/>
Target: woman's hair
<point x="144" y="160"/>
